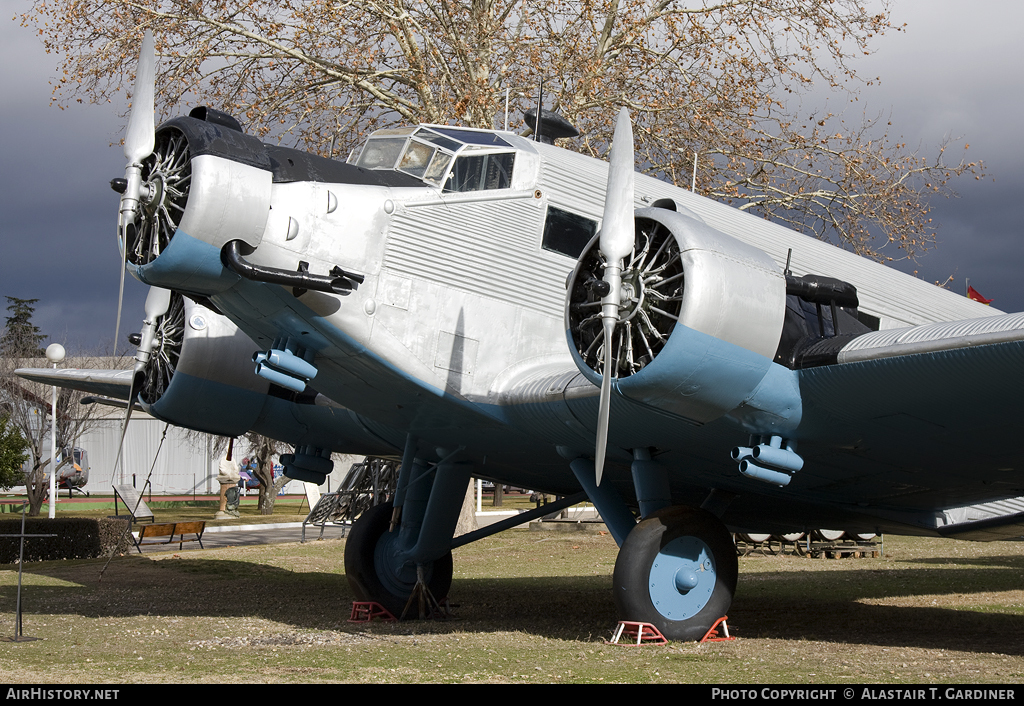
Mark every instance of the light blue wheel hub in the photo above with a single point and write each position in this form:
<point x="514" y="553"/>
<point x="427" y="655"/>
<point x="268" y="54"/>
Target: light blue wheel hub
<point x="682" y="578"/>
<point x="397" y="577"/>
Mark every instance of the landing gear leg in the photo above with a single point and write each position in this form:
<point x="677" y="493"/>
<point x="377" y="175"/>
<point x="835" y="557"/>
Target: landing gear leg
<point x="677" y="570"/>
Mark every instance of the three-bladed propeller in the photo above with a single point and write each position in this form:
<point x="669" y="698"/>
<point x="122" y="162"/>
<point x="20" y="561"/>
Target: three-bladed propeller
<point x="139" y="141"/>
<point x="616" y="243"/>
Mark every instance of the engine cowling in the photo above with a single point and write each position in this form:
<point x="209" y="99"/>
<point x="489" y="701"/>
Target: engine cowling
<point x="700" y="319"/>
<point x="200" y="374"/>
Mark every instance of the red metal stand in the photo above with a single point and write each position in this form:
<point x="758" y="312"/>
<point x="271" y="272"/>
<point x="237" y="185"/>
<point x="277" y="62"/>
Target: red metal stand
<point x="365" y="611"/>
<point x="643" y="632"/>
<point x="712" y="634"/>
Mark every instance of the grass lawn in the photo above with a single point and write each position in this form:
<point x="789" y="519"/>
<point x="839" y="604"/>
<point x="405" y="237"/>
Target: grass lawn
<point x="529" y="607"/>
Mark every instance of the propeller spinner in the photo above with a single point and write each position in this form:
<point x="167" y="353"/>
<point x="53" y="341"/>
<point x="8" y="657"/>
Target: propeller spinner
<point x="616" y="243"/>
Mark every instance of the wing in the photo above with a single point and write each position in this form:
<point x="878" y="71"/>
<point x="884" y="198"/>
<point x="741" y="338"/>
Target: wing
<point x="108" y="383"/>
<point x="934" y="338"/>
<point x="926" y="416"/>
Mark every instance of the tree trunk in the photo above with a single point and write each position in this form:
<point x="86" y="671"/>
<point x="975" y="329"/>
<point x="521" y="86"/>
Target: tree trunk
<point x="268" y="494"/>
<point x="36" y="487"/>
<point x="467" y="516"/>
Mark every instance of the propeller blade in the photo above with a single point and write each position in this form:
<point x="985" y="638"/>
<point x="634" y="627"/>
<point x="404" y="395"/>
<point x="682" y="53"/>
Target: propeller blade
<point x="617" y="227"/>
<point x="158" y="301"/>
<point x="604" y="408"/>
<point x="120" y="287"/>
<point x="119" y="461"/>
<point x="140" y="136"/>
<point x="616" y="242"/>
<point x="139" y="142"/>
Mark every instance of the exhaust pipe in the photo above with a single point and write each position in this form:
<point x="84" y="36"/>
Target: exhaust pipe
<point x="337" y="282"/>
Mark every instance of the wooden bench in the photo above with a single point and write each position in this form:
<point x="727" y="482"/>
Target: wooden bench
<point x="171" y="530"/>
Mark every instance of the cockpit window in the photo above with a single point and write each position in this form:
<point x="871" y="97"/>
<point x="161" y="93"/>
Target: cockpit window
<point x="438" y="168"/>
<point x="381" y="152"/>
<point x="429" y="152"/>
<point x="434" y="138"/>
<point x="416" y="158"/>
<point x="472" y="137"/>
<point x="478" y="172"/>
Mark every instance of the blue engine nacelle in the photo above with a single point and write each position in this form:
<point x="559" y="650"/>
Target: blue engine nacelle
<point x="700" y="320"/>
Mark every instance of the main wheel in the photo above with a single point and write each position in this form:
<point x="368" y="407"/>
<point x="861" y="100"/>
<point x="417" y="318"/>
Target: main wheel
<point x="676" y="570"/>
<point x="375" y="574"/>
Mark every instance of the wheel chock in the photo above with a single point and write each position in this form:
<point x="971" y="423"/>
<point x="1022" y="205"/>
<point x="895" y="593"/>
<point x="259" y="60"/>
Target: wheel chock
<point x="365" y="611"/>
<point x="712" y="634"/>
<point x="643" y="632"/>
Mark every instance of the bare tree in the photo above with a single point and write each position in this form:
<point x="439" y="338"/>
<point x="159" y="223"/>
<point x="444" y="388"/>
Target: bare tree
<point x="262" y="450"/>
<point x="717" y="77"/>
<point x="27" y="408"/>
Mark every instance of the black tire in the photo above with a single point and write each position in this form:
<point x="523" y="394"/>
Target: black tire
<point x="642" y="567"/>
<point x="370" y="575"/>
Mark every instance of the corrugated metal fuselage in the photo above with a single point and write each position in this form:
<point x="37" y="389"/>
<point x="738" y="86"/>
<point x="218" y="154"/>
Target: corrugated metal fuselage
<point x="457" y="336"/>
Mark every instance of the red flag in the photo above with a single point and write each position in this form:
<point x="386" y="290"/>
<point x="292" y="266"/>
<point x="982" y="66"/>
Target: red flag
<point x="972" y="293"/>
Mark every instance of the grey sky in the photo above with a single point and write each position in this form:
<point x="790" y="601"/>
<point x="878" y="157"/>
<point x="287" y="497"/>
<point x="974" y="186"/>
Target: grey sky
<point x="955" y="71"/>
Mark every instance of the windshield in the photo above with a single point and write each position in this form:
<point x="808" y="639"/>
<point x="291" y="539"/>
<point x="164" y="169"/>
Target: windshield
<point x="436" y="155"/>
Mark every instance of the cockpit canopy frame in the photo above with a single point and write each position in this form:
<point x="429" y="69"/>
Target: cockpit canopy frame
<point x="454" y="159"/>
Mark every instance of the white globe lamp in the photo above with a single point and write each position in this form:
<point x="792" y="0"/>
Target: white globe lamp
<point x="55" y="354"/>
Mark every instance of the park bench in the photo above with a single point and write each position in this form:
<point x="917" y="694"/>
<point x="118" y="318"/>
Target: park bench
<point x="171" y="530"/>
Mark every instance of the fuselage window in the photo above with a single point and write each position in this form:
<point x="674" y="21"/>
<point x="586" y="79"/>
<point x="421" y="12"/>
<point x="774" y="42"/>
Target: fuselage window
<point x="567" y="233"/>
<point x="482" y="171"/>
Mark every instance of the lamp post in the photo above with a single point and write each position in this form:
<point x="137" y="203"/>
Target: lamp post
<point x="54" y="354"/>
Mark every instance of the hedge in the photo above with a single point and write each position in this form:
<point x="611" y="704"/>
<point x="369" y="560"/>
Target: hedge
<point x="76" y="538"/>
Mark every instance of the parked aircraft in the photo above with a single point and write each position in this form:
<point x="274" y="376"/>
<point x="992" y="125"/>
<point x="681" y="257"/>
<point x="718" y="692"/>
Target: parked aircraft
<point x="481" y="304"/>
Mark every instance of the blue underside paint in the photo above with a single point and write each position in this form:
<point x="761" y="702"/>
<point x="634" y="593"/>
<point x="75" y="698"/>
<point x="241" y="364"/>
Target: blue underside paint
<point x="700" y="378"/>
<point x="209" y="406"/>
<point x="682" y="578"/>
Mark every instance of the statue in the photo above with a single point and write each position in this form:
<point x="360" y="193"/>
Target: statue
<point x="228" y="478"/>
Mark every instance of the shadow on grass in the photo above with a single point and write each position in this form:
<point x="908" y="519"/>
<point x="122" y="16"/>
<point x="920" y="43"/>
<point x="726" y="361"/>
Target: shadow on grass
<point x="849" y="606"/>
<point x="1015" y="561"/>
<point x="791" y="605"/>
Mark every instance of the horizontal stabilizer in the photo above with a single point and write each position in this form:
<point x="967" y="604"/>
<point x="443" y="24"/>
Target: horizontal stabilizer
<point x="109" y="383"/>
<point x="986" y="522"/>
<point x="988" y="530"/>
